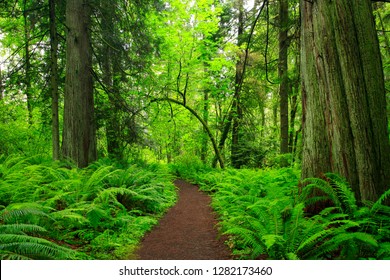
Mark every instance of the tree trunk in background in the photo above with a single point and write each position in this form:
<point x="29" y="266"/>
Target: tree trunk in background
<point x="283" y="75"/>
<point x="110" y="68"/>
<point x="54" y="81"/>
<point x="236" y="107"/>
<point x="224" y="136"/>
<point x="293" y="113"/>
<point x="343" y="96"/>
<point x="79" y="135"/>
<point x="205" y="139"/>
<point x="27" y="63"/>
<point x="1" y="85"/>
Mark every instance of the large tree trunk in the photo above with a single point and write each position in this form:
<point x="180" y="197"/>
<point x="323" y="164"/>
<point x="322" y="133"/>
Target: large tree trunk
<point x="283" y="74"/>
<point x="54" y="81"/>
<point x="344" y="105"/>
<point x="79" y="135"/>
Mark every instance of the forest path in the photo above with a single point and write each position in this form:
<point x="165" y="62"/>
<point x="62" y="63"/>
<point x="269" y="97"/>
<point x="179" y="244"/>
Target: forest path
<point x="186" y="232"/>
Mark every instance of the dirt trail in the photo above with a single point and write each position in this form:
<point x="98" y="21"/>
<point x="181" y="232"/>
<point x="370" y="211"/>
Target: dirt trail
<point x="186" y="232"/>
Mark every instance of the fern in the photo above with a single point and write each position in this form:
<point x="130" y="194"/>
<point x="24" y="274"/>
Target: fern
<point x="378" y="205"/>
<point x="16" y="246"/>
<point x="15" y="243"/>
<point x="79" y="205"/>
<point x="273" y="221"/>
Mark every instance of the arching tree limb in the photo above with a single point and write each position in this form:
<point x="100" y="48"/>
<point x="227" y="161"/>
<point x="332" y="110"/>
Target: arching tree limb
<point x="202" y="121"/>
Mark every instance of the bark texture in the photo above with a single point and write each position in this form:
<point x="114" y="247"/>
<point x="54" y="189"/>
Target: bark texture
<point x="344" y="105"/>
<point x="54" y="81"/>
<point x="79" y="135"/>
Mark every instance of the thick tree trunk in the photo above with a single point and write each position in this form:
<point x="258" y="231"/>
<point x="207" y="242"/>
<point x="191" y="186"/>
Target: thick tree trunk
<point x="79" y="136"/>
<point x="344" y="105"/>
<point x="54" y="81"/>
<point x="283" y="75"/>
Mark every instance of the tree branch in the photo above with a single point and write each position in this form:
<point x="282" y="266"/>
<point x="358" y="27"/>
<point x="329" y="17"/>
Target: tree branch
<point x="201" y="120"/>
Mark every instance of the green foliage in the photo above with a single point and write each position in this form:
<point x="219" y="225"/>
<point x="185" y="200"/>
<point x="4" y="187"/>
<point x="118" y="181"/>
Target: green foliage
<point x="87" y="207"/>
<point x="186" y="166"/>
<point x="264" y="217"/>
<point x="20" y="239"/>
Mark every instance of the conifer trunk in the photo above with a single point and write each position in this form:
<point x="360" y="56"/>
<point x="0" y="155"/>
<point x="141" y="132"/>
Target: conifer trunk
<point x="54" y="81"/>
<point x="343" y="102"/>
<point x="110" y="68"/>
<point x="79" y="135"/>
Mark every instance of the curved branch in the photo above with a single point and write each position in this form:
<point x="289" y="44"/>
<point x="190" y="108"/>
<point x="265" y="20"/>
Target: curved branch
<point x="202" y="121"/>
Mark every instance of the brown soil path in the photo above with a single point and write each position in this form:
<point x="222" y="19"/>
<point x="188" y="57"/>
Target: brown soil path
<point x="186" y="232"/>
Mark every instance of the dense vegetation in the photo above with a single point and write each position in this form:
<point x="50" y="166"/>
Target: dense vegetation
<point x="286" y="129"/>
<point x="102" y="210"/>
<point x="263" y="213"/>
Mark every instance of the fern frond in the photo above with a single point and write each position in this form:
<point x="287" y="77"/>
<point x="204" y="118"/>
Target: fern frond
<point x="15" y="211"/>
<point x="21" y="228"/>
<point x="311" y="184"/>
<point x="96" y="180"/>
<point x="95" y="215"/>
<point x="33" y="247"/>
<point x="294" y="227"/>
<point x="73" y="215"/>
<point x="384" y="251"/>
<point x="345" y="195"/>
<point x="379" y="203"/>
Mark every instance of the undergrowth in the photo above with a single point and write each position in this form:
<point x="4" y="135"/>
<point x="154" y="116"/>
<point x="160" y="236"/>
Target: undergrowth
<point x="263" y="215"/>
<point x="102" y="211"/>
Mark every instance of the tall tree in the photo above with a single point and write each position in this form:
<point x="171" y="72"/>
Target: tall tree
<point x="54" y="80"/>
<point x="344" y="104"/>
<point x="283" y="75"/>
<point x="27" y="61"/>
<point x="111" y="56"/>
<point x="79" y="134"/>
<point x="236" y="107"/>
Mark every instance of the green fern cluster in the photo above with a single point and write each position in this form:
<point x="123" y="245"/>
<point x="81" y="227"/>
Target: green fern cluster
<point x="276" y="226"/>
<point x="369" y="223"/>
<point x="98" y="209"/>
<point x="250" y="204"/>
<point x="22" y="240"/>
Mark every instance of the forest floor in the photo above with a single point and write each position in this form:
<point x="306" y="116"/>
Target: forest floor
<point x="186" y="232"/>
